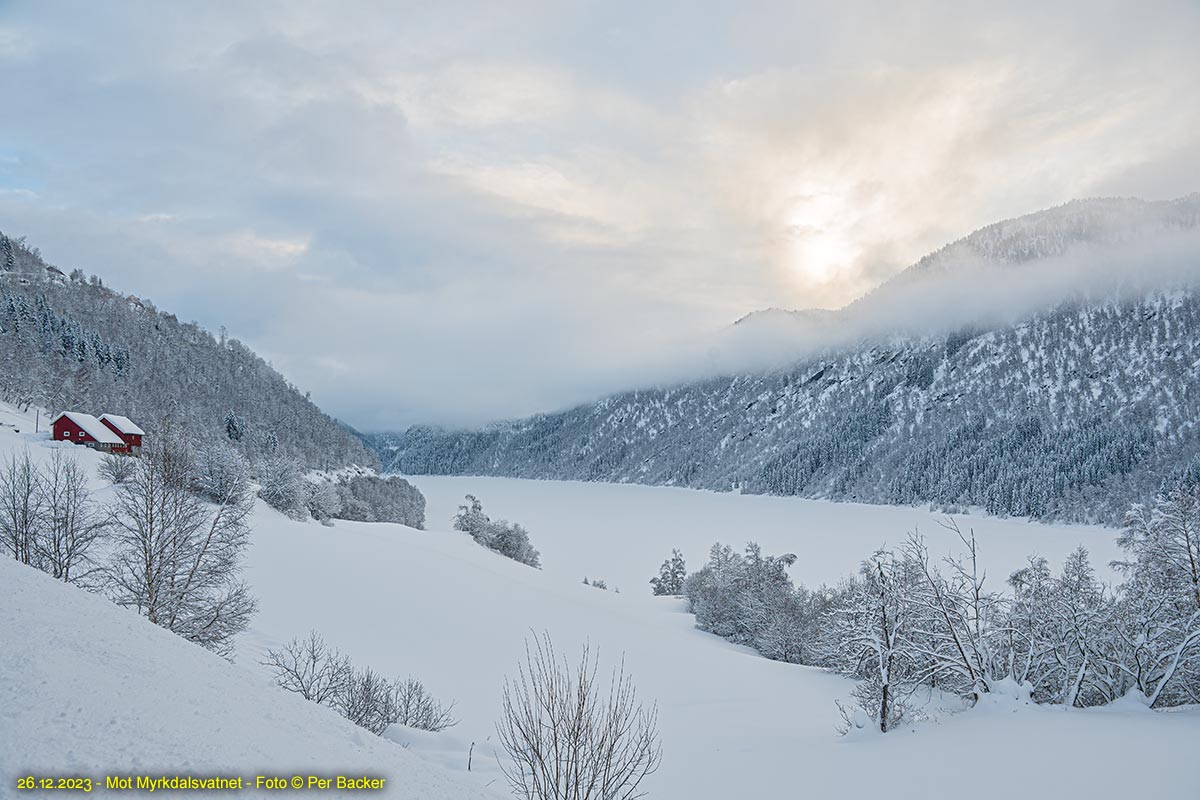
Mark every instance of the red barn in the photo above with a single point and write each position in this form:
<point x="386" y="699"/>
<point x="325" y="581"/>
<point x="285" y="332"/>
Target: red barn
<point x="124" y="427"/>
<point x="80" y="428"/>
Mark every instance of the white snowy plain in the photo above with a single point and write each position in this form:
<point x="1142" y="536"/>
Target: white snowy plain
<point x="85" y="686"/>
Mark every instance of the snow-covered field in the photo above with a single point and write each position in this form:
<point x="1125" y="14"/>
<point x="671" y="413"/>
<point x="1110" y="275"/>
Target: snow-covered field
<point x="622" y="532"/>
<point x="434" y="604"/>
<point x="85" y="686"/>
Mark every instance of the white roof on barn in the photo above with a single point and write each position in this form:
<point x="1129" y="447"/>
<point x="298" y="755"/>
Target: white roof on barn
<point x="124" y="424"/>
<point x="91" y="426"/>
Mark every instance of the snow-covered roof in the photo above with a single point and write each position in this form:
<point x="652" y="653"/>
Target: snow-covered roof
<point x="124" y="424"/>
<point x="91" y="426"/>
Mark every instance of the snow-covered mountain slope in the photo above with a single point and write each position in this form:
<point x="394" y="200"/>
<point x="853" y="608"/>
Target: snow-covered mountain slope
<point x="88" y="689"/>
<point x="1070" y="411"/>
<point x="70" y="343"/>
<point x="438" y="606"/>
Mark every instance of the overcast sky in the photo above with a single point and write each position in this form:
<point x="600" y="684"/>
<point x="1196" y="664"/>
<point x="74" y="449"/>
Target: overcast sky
<point x="448" y="212"/>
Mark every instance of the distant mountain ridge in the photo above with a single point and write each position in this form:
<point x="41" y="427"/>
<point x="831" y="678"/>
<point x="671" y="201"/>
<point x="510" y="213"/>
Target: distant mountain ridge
<point x="1069" y="410"/>
<point x="69" y="342"/>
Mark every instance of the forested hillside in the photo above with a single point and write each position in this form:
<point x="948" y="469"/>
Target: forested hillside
<point x="1071" y="412"/>
<point x="67" y="341"/>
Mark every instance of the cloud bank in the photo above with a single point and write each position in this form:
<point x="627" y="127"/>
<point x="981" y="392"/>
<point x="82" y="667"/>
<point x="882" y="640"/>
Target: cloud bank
<point x="459" y="212"/>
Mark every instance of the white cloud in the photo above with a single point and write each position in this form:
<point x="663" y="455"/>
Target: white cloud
<point x="557" y="195"/>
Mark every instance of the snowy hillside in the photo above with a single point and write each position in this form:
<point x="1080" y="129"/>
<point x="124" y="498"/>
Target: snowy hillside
<point x="1071" y="411"/>
<point x="89" y="689"/>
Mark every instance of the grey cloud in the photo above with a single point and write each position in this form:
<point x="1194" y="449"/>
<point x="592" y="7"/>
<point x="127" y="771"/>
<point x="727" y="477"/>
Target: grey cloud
<point x="461" y="211"/>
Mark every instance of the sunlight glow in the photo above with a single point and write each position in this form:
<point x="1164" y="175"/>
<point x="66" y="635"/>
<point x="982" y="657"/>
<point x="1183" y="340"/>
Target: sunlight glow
<point x="819" y="243"/>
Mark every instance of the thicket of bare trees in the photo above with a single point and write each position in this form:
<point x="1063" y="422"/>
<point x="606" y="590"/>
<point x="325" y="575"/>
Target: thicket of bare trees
<point x="570" y="733"/>
<point x="169" y="544"/>
<point x="176" y="554"/>
<point x="322" y="674"/>
<point x="73" y="524"/>
<point x="47" y="517"/>
<point x="906" y="622"/>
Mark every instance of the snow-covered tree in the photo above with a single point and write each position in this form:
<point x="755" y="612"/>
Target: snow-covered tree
<point x="870" y="636"/>
<point x="371" y="498"/>
<point x="958" y="630"/>
<point x="116" y="469"/>
<point x="671" y="575"/>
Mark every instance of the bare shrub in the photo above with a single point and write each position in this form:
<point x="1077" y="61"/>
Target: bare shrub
<point x="415" y="707"/>
<point x="567" y="735"/>
<point x="366" y="700"/>
<point x="320" y="673"/>
<point x="116" y="469"/>
<point x="310" y="668"/>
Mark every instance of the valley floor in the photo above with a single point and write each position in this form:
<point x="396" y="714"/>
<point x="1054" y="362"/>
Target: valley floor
<point x="434" y="604"/>
<point x="87" y="687"/>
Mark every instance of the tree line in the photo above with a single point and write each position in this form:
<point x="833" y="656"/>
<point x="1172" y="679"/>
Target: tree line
<point x="907" y="622"/>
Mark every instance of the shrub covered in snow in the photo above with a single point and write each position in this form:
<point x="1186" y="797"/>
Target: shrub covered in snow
<point x="506" y="538"/>
<point x="324" y="503"/>
<point x="282" y="485"/>
<point x="220" y="471"/>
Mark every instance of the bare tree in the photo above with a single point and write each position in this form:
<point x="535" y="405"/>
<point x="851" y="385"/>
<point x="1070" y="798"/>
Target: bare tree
<point x="311" y="668"/>
<point x="567" y="737"/>
<point x="21" y="508"/>
<point x="72" y="525"/>
<point x="177" y="558"/>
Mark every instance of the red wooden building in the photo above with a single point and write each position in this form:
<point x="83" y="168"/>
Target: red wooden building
<point x="80" y="428"/>
<point x="124" y="427"/>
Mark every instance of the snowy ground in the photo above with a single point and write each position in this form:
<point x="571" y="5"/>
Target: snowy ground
<point x="85" y="686"/>
<point x="92" y="690"/>
<point x="434" y="604"/>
